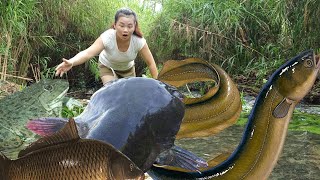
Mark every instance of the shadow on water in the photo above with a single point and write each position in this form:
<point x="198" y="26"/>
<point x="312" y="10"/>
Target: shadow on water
<point x="300" y="157"/>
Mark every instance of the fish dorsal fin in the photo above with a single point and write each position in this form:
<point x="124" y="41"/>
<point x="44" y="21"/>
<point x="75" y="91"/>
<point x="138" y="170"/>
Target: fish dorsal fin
<point x="282" y="109"/>
<point x="68" y="133"/>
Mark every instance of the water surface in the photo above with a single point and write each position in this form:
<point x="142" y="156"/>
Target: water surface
<point x="300" y="157"/>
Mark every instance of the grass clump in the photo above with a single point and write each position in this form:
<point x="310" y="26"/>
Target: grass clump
<point x="300" y="121"/>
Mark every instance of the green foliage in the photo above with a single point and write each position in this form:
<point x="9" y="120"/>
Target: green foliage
<point x="144" y="10"/>
<point x="300" y="121"/>
<point x="243" y="119"/>
<point x="92" y="65"/>
<point x="197" y="88"/>
<point x="147" y="71"/>
<point x="22" y="87"/>
<point x="71" y="108"/>
<point x="242" y="36"/>
<point x="46" y="72"/>
<point x="305" y="122"/>
<point x="50" y="30"/>
<point x="71" y="112"/>
<point x="15" y="17"/>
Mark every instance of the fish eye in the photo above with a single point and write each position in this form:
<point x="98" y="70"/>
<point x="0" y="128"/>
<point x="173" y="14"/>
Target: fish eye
<point x="131" y="167"/>
<point x="308" y="63"/>
<point x="48" y="87"/>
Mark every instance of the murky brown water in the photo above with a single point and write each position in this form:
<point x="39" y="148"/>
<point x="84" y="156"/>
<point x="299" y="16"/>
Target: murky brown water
<point x="300" y="158"/>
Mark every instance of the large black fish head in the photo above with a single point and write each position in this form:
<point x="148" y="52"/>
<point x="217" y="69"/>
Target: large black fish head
<point x="297" y="76"/>
<point x="167" y="120"/>
<point x="165" y="109"/>
<point x="156" y="117"/>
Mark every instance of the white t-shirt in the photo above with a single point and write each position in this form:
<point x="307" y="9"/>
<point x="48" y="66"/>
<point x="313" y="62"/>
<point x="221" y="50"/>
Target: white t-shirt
<point x="112" y="57"/>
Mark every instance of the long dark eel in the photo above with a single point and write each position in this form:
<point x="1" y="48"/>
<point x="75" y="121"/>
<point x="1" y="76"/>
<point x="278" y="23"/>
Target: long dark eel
<point x="265" y="132"/>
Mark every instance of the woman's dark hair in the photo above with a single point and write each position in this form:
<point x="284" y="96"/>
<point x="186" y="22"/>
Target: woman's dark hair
<point x="127" y="12"/>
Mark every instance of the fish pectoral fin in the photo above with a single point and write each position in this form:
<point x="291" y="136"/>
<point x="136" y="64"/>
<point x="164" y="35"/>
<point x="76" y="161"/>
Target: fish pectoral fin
<point x="180" y="158"/>
<point x="282" y="108"/>
<point x="211" y="163"/>
<point x="68" y="133"/>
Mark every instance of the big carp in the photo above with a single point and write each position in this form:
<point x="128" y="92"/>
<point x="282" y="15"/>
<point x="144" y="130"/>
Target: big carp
<point x="38" y="100"/>
<point x="266" y="129"/>
<point x="64" y="155"/>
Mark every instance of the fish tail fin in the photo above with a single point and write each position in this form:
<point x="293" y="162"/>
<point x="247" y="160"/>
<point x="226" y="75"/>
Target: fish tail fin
<point x="182" y="158"/>
<point x="46" y="126"/>
<point x="4" y="161"/>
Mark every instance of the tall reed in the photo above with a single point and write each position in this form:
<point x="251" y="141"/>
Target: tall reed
<point x="43" y="32"/>
<point x="242" y="36"/>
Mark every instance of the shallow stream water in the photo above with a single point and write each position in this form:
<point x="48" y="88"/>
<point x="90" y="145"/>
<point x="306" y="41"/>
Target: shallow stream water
<point x="300" y="157"/>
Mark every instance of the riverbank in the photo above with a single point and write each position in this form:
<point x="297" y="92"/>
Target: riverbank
<point x="250" y="86"/>
<point x="306" y="117"/>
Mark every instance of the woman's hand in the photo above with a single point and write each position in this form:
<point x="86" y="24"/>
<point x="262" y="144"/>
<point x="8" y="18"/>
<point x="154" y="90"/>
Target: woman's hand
<point x="63" y="67"/>
<point x="80" y="58"/>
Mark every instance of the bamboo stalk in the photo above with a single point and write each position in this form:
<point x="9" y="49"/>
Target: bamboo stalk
<point x="9" y="75"/>
<point x="38" y="72"/>
<point x="2" y="22"/>
<point x="16" y="51"/>
<point x="35" y="72"/>
<point x="5" y="62"/>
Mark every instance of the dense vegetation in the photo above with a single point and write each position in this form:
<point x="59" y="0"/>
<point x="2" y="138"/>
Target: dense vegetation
<point x="36" y="34"/>
<point x="249" y="39"/>
<point x="244" y="37"/>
